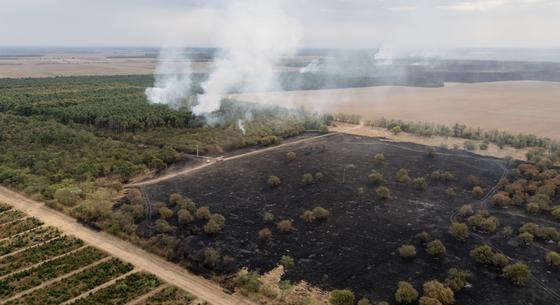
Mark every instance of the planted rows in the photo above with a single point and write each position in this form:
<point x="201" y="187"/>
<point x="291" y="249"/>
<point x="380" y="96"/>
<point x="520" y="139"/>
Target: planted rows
<point x="38" y="254"/>
<point x="10" y="215"/>
<point x="28" y="239"/>
<point x="14" y="228"/>
<point x="75" y="285"/>
<point x="33" y="277"/>
<point x="123" y="291"/>
<point x="170" y="296"/>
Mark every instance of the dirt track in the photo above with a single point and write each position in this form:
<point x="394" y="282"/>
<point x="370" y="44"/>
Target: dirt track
<point x="169" y="272"/>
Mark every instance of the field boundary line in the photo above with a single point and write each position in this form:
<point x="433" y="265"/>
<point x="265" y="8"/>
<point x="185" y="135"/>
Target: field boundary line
<point x="148" y="294"/>
<point x="99" y="287"/>
<point x="49" y="282"/>
<point x="42" y="262"/>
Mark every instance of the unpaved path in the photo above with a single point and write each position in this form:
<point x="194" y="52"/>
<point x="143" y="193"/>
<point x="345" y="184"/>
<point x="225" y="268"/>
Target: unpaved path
<point x="167" y="271"/>
<point x="255" y="152"/>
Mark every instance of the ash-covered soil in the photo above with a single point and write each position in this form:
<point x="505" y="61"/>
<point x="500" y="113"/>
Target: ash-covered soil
<point x="356" y="247"/>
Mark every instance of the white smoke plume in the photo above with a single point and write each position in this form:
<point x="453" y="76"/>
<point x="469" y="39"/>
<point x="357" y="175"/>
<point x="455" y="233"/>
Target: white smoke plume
<point x="313" y="67"/>
<point x="241" y="126"/>
<point x="257" y="35"/>
<point x="172" y="84"/>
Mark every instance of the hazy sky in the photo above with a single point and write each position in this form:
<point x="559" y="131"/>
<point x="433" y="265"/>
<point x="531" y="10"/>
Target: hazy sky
<point x="324" y="23"/>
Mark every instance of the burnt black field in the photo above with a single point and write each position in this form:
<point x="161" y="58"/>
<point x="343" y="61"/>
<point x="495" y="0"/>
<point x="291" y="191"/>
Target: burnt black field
<point x="356" y="247"/>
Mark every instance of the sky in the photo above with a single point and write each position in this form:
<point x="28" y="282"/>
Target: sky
<point x="323" y="23"/>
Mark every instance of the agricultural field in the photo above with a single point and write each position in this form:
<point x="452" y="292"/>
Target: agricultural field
<point x="360" y="213"/>
<point x="39" y="265"/>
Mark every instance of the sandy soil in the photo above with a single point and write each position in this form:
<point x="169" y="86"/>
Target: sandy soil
<point x="517" y="106"/>
<point x="169" y="272"/>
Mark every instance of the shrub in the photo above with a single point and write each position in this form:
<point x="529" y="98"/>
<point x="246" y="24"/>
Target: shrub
<point x="175" y="198"/>
<point x="457" y="279"/>
<point x="264" y="233"/>
<point x="383" y="192"/>
<point x="533" y="208"/>
<point x="287" y="261"/>
<point x="556" y="213"/>
<point x="473" y="181"/>
<point x="483" y="146"/>
<point x="268" y="217"/>
<point x="212" y="227"/>
<point x="319" y="176"/>
<point x="507" y="231"/>
<point x="165" y="212"/>
<point x="248" y="282"/>
<point x="466" y="210"/>
<point x="67" y="196"/>
<point x="477" y="191"/>
<point x="526" y="238"/>
<point x="431" y="152"/>
<point x="436" y="290"/>
<point x="320" y="213"/>
<point x="379" y="158"/>
<point x="383" y="303"/>
<point x="553" y="258"/>
<point x="203" y="213"/>
<point x="396" y="130"/>
<point x="407" y="251"/>
<point x="459" y="230"/>
<point x="517" y="273"/>
<point x="307" y="178"/>
<point x="500" y="260"/>
<point x="291" y="156"/>
<point x="548" y="233"/>
<point x="529" y="227"/>
<point x="402" y="176"/>
<point x="469" y="145"/>
<point x="424" y="300"/>
<point x="285" y="226"/>
<point x="163" y="226"/>
<point x="441" y="175"/>
<point x="341" y="297"/>
<point x="482" y="254"/>
<point x="420" y="183"/>
<point x="274" y="181"/>
<point x="364" y="301"/>
<point x="501" y="199"/>
<point x="450" y="192"/>
<point x="482" y="221"/>
<point x="436" y="249"/>
<point x="323" y="128"/>
<point x="307" y="216"/>
<point x="184" y="216"/>
<point x="423" y="237"/>
<point x="405" y="293"/>
<point x="375" y="177"/>
<point x="210" y="257"/>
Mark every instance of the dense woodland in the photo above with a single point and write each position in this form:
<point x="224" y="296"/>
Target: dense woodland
<point x="72" y="141"/>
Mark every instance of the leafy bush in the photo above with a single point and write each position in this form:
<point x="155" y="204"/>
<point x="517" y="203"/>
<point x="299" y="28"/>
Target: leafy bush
<point x="320" y="213"/>
<point x="466" y="210"/>
<point x="501" y="199"/>
<point x="341" y="297"/>
<point x="184" y="216"/>
<point x="285" y="226"/>
<point x="248" y="282"/>
<point x="364" y="301"/>
<point x="482" y="254"/>
<point x="517" y="273"/>
<point x="287" y="261"/>
<point x="383" y="192"/>
<point x="203" y="213"/>
<point x="175" y="198"/>
<point x="483" y="222"/>
<point x="264" y="233"/>
<point x="459" y="230"/>
<point x="423" y="237"/>
<point x="307" y="216"/>
<point x="407" y="251"/>
<point x="375" y="177"/>
<point x="500" y="260"/>
<point x="307" y="178"/>
<point x="402" y="176"/>
<point x="436" y="249"/>
<point x="469" y="145"/>
<point x="420" y="183"/>
<point x="441" y="175"/>
<point x="533" y="208"/>
<point x="268" y="217"/>
<point x="436" y="290"/>
<point x="553" y="258"/>
<point x="291" y="156"/>
<point x="274" y="181"/>
<point x="405" y="293"/>
<point x="477" y="191"/>
<point x="450" y="192"/>
<point x="379" y="158"/>
<point x="165" y="212"/>
<point x="396" y="130"/>
<point x="457" y="279"/>
<point x="526" y="238"/>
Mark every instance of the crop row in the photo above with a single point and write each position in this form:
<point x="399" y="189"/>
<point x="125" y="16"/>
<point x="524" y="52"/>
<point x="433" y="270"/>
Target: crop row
<point x="169" y="296"/>
<point x="4" y="207"/>
<point x="33" y="277"/>
<point x="38" y="254"/>
<point x="10" y="215"/>
<point x="123" y="291"/>
<point x="14" y="228"/>
<point x="28" y="239"/>
<point x="75" y="285"/>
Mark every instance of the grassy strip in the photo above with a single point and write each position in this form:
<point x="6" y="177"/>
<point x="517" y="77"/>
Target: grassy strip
<point x="14" y="228"/>
<point x="170" y="296"/>
<point x="28" y="239"/>
<point x="4" y="207"/>
<point x="38" y="254"/>
<point x="33" y="277"/>
<point x="75" y="285"/>
<point x="123" y="291"/>
<point x="10" y="216"/>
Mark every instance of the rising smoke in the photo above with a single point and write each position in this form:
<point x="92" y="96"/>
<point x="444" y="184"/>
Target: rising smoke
<point x="257" y="36"/>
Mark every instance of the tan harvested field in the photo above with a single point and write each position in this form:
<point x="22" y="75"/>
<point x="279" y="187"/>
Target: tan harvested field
<point x="517" y="106"/>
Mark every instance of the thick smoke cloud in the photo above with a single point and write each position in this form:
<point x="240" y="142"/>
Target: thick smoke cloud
<point x="172" y="79"/>
<point x="257" y="35"/>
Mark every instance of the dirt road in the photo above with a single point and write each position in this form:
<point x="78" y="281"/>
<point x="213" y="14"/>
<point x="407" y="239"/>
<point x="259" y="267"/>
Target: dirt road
<point x="259" y="151"/>
<point x="169" y="272"/>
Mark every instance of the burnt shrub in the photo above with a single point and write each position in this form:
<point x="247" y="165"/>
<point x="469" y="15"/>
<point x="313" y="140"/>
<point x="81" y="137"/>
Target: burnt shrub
<point x="274" y="181"/>
<point x="383" y="193"/>
<point x="285" y="226"/>
<point x="482" y="254"/>
<point x="517" y="273"/>
<point x="264" y="233"/>
<point x="341" y="297"/>
<point x="459" y="230"/>
<point x="457" y="279"/>
<point x="405" y="293"/>
<point x="407" y="251"/>
<point x="436" y="249"/>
